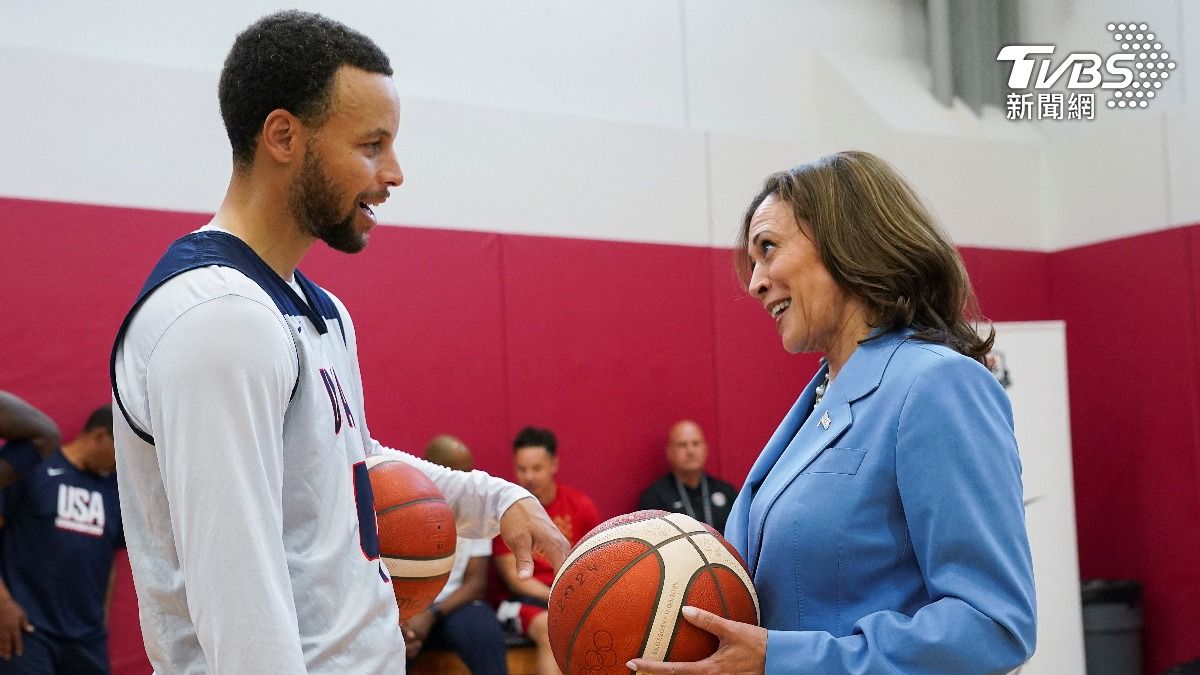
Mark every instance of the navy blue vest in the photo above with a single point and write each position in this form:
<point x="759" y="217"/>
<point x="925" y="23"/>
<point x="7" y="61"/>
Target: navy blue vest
<point x="214" y="247"/>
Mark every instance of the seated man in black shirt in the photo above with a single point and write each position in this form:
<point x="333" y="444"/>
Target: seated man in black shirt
<point x="687" y="488"/>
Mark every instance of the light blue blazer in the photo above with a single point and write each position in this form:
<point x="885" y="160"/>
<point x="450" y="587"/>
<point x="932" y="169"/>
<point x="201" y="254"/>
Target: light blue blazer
<point x="885" y="532"/>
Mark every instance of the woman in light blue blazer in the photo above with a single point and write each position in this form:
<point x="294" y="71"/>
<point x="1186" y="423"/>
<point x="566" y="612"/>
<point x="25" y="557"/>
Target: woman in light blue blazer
<point x="883" y="523"/>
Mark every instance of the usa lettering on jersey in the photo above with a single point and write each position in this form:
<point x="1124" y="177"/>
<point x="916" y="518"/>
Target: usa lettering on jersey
<point x="80" y="510"/>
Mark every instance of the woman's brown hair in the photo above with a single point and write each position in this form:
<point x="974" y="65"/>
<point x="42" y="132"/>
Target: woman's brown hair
<point x="881" y="245"/>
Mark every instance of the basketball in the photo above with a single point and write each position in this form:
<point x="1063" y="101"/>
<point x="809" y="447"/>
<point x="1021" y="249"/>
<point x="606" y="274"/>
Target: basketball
<point x="417" y="537"/>
<point x="619" y="593"/>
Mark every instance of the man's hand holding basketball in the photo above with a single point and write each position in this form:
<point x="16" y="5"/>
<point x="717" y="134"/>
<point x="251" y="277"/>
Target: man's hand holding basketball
<point x="416" y="632"/>
<point x="526" y="529"/>
<point x="743" y="649"/>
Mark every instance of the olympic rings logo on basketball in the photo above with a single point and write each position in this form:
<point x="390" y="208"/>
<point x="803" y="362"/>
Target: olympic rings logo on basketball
<point x="601" y="656"/>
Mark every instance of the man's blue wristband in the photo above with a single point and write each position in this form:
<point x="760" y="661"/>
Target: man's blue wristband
<point x="22" y="456"/>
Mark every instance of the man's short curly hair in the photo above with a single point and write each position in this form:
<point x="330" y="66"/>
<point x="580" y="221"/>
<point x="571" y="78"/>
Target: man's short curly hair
<point x="288" y="60"/>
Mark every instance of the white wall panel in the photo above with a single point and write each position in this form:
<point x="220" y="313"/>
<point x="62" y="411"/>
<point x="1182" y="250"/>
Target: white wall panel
<point x="619" y="59"/>
<point x="193" y="36"/>
<point x="738" y="165"/>
<point x="81" y="130"/>
<point x="533" y="173"/>
<point x="752" y="66"/>
<point x="1075" y="26"/>
<point x="1036" y="356"/>
<point x="896" y="92"/>
<point x="946" y="172"/>
<point x="734" y="87"/>
<point x="504" y="171"/>
<point x="1106" y="180"/>
<point x="1189" y="29"/>
<point x="591" y="119"/>
<point x="849" y="121"/>
<point x="120" y="134"/>
<point x="1183" y="162"/>
<point x="983" y="192"/>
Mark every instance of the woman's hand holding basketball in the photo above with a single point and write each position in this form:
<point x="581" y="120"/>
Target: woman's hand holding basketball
<point x="743" y="649"/>
<point x="526" y="528"/>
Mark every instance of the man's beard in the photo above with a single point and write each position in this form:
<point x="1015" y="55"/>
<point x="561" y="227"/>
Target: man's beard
<point x="313" y="200"/>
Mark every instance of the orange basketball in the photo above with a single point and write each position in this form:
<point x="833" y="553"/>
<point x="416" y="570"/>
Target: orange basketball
<point x="417" y="537"/>
<point x="619" y="593"/>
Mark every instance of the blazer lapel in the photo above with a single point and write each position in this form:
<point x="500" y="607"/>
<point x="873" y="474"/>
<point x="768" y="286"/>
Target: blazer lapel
<point x="828" y="421"/>
<point x="801" y="438"/>
<point x="784" y="434"/>
<point x="737" y="531"/>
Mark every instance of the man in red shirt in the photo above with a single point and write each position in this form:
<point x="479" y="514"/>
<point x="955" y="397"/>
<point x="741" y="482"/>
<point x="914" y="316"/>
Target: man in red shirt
<point x="535" y="459"/>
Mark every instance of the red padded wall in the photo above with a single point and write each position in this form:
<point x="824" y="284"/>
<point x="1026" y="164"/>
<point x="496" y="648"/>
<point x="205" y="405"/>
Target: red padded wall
<point x="66" y="273"/>
<point x="608" y="343"/>
<point x="66" y="270"/>
<point x="427" y="305"/>
<point x="1010" y="285"/>
<point x="1130" y="308"/>
<point x="757" y="381"/>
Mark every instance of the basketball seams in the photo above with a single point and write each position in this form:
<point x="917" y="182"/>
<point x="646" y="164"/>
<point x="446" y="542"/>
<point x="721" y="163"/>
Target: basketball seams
<point x="616" y="534"/>
<point x="665" y="618"/>
<point x="680" y="566"/>
<point x="411" y="502"/>
<point x="734" y="563"/>
<point x="443" y="577"/>
<point x="620" y="532"/>
<point x="416" y="532"/>
<point x="722" y="557"/>
<point x="666" y="614"/>
<point x="599" y="595"/>
<point x="407" y="569"/>
<point x="707" y="567"/>
<point x="417" y="558"/>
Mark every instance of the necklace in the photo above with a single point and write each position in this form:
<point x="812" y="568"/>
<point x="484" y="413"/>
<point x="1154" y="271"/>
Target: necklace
<point x="820" y="390"/>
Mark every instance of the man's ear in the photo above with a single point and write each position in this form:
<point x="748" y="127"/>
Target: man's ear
<point x="282" y="136"/>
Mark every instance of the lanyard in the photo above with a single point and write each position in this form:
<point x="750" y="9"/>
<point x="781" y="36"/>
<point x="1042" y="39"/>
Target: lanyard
<point x="687" y="502"/>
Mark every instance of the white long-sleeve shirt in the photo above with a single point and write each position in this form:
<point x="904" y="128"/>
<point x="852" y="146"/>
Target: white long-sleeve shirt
<point x="244" y="441"/>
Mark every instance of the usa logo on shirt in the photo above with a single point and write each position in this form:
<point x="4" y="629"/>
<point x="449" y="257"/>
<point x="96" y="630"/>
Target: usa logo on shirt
<point x="80" y="510"/>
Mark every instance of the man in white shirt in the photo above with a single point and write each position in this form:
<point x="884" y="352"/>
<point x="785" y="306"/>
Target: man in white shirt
<point x="458" y="619"/>
<point x="243" y="438"/>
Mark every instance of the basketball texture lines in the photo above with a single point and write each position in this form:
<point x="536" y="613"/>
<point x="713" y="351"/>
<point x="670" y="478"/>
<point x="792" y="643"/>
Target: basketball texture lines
<point x="619" y="593"/>
<point x="417" y="537"/>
